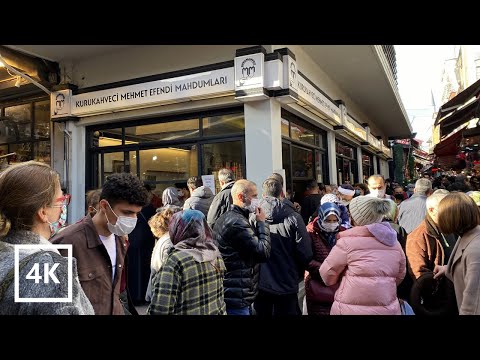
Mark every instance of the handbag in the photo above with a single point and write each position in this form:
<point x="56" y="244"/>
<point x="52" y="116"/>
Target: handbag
<point x="319" y="291"/>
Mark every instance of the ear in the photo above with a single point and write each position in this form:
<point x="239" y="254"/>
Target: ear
<point x="42" y="215"/>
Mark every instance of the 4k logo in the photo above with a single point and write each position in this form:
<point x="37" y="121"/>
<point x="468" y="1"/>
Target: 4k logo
<point x="34" y="274"/>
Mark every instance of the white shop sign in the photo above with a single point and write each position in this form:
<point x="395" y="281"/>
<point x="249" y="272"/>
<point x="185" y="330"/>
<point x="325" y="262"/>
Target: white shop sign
<point x="188" y="87"/>
<point x="317" y="100"/>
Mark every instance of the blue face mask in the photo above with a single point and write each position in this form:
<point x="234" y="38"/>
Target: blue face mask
<point x="57" y="225"/>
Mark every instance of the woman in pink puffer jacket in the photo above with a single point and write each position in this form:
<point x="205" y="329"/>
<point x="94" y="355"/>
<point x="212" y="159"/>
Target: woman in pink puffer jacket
<point x="369" y="262"/>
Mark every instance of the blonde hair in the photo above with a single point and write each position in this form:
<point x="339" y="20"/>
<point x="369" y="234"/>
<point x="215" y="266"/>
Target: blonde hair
<point x="159" y="222"/>
<point x="24" y="189"/>
<point x="458" y="213"/>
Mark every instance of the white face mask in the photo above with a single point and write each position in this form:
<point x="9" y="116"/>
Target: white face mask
<point x="329" y="227"/>
<point x="379" y="193"/>
<point x="254" y="203"/>
<point x="123" y="226"/>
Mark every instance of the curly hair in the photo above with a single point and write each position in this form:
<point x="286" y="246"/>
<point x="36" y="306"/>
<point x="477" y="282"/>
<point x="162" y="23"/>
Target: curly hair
<point x="124" y="187"/>
<point x="159" y="222"/>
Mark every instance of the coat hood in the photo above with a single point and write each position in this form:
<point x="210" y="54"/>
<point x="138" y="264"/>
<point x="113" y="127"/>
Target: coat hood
<point x="202" y="192"/>
<point x="275" y="209"/>
<point x="383" y="232"/>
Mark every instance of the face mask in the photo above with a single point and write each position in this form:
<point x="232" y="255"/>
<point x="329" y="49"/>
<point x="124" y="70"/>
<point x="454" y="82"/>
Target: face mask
<point x="253" y="205"/>
<point x="57" y="225"/>
<point x="123" y="226"/>
<point x="379" y="193"/>
<point x="329" y="227"/>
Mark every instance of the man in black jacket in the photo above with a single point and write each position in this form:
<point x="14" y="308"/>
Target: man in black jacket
<point x="291" y="252"/>
<point x="242" y="247"/>
<point x="222" y="201"/>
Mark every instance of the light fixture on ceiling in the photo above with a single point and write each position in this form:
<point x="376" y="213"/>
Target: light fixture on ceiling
<point x="22" y="75"/>
<point x="18" y="82"/>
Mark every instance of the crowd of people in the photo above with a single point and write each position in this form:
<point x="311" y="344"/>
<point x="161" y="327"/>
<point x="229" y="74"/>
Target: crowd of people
<point x="362" y="249"/>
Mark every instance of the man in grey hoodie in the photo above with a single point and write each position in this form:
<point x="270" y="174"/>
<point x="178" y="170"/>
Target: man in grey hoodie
<point x="201" y="197"/>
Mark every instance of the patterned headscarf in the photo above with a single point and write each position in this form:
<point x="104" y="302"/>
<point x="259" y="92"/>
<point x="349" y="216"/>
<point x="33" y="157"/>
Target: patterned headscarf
<point x="190" y="232"/>
<point x="325" y="211"/>
<point x="170" y="197"/>
<point x="329" y="198"/>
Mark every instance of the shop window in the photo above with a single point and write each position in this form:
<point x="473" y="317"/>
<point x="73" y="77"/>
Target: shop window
<point x="19" y="122"/>
<point x="3" y="158"/>
<point x="344" y="150"/>
<point x="113" y="163"/>
<point x="302" y="163"/>
<point x="223" y="155"/>
<point x="41" y="151"/>
<point x="304" y="135"/>
<point x="285" y="128"/>
<point x="320" y="161"/>
<point x="110" y="137"/>
<point x="286" y="163"/>
<point x="224" y="124"/>
<point x="168" y="164"/>
<point x="23" y="152"/>
<point x="174" y="130"/>
<point x="41" y="127"/>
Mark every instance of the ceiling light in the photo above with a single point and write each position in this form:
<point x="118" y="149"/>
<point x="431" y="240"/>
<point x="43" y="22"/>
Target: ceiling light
<point x="154" y="157"/>
<point x="2" y="64"/>
<point x="18" y="82"/>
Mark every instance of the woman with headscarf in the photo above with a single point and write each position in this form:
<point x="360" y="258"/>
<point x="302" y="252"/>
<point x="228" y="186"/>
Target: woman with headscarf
<point x="170" y="199"/>
<point x="190" y="282"/>
<point x="323" y="230"/>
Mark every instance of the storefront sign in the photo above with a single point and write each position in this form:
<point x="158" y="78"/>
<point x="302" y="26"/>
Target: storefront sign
<point x="386" y="151"/>
<point x="421" y="154"/>
<point x="249" y="77"/>
<point x="189" y="87"/>
<point x="403" y="141"/>
<point x="60" y="103"/>
<point x="249" y="71"/>
<point x="209" y="181"/>
<point x="355" y="128"/>
<point x="375" y="142"/>
<point x="317" y="100"/>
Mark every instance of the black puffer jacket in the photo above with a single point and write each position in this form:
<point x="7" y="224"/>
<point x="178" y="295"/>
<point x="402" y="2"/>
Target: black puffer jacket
<point x="242" y="250"/>
<point x="291" y="248"/>
<point x="220" y="204"/>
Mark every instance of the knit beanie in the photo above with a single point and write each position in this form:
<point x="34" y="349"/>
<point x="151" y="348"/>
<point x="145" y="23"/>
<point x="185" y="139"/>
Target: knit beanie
<point x="366" y="210"/>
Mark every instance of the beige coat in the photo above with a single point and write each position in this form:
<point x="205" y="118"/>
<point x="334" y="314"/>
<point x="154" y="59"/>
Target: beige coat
<point x="463" y="269"/>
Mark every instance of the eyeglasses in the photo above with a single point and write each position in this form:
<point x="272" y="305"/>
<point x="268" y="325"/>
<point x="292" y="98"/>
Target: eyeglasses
<point x="65" y="199"/>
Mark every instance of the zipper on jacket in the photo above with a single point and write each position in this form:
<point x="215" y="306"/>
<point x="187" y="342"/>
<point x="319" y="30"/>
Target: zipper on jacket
<point x="445" y="241"/>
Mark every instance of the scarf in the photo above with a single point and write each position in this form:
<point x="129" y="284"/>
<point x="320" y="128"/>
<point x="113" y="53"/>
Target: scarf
<point x="190" y="232"/>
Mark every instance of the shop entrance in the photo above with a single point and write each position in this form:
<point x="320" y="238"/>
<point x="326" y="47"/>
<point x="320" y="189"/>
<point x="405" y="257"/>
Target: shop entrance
<point x="165" y="152"/>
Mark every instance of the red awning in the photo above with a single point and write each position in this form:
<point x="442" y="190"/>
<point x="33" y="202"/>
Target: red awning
<point x="449" y="146"/>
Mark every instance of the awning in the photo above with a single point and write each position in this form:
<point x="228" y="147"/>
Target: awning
<point x="449" y="146"/>
<point x="457" y="101"/>
<point x="454" y="113"/>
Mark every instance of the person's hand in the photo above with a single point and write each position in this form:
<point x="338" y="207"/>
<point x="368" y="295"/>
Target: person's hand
<point x="260" y="214"/>
<point x="297" y="206"/>
<point x="439" y="271"/>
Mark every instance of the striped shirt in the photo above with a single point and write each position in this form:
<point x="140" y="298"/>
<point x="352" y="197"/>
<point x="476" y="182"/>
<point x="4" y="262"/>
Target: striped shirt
<point x="412" y="212"/>
<point x="186" y="287"/>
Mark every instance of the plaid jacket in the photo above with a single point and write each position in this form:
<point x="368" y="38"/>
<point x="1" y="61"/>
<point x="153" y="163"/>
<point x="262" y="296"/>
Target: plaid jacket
<point x="186" y="287"/>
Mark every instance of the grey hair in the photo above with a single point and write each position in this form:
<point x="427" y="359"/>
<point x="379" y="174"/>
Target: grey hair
<point x="226" y="175"/>
<point x="381" y="207"/>
<point x="423" y="186"/>
<point x="434" y="200"/>
<point x="272" y="187"/>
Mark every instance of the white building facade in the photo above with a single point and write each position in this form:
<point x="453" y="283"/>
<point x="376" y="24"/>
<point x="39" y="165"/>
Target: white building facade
<point x="166" y="113"/>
